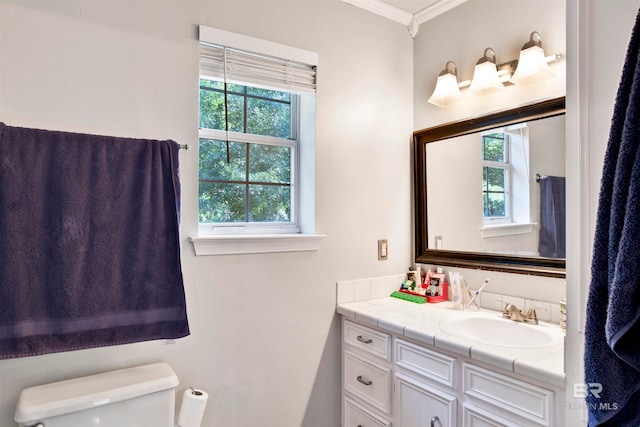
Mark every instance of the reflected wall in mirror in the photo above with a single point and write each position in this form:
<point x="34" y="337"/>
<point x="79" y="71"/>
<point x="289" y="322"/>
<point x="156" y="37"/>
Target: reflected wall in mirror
<point x="490" y="191"/>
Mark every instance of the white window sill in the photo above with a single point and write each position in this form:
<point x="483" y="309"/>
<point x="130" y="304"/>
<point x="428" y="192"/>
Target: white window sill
<point x="506" y="229"/>
<point x="255" y="244"/>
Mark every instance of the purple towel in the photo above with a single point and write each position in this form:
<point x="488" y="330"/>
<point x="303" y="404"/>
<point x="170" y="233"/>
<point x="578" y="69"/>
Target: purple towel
<point x="612" y="347"/>
<point x="89" y="243"/>
<point x="553" y="223"/>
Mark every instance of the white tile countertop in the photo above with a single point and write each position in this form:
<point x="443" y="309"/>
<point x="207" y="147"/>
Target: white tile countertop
<point x="421" y="322"/>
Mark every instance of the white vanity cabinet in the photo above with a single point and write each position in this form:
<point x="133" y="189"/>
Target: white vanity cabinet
<point x="392" y="381"/>
<point x="367" y="376"/>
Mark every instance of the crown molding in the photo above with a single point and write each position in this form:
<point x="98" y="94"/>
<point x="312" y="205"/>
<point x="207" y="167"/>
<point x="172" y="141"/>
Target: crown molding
<point x="437" y="8"/>
<point x="412" y="22"/>
<point x="386" y="10"/>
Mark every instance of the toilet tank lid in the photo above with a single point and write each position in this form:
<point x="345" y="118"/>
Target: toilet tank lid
<point x="77" y="394"/>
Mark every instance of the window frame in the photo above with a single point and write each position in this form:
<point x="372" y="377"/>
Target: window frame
<point x="293" y="142"/>
<point x="506" y="167"/>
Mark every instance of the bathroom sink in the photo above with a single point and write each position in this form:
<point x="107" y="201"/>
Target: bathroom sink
<point x="494" y="330"/>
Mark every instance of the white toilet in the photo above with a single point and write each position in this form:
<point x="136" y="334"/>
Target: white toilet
<point x="143" y="396"/>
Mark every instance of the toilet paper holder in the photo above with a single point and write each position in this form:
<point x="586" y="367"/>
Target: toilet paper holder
<point x="193" y="391"/>
<point x="192" y="409"/>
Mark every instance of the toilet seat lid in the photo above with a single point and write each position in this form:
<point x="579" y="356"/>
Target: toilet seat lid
<point x="63" y="397"/>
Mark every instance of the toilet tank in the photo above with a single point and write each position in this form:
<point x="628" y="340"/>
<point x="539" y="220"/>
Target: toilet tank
<point x="142" y="396"/>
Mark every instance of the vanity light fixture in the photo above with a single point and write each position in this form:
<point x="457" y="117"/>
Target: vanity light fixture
<point x="485" y="77"/>
<point x="447" y="91"/>
<point x="532" y="65"/>
<point x="490" y="77"/>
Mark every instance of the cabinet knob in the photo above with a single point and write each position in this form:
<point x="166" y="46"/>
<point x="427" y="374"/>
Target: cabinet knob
<point x="364" y="340"/>
<point x="363" y="380"/>
<point x="435" y="420"/>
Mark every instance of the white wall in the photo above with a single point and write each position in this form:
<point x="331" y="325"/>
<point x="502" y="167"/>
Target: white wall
<point x="267" y="350"/>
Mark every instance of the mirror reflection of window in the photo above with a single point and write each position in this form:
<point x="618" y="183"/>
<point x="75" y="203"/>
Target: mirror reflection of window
<point x="506" y="175"/>
<point x="498" y="226"/>
<point x="495" y="176"/>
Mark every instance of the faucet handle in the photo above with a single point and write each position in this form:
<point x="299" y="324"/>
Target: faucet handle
<point x="507" y="305"/>
<point x="511" y="312"/>
<point x="505" y="308"/>
<point x="532" y="316"/>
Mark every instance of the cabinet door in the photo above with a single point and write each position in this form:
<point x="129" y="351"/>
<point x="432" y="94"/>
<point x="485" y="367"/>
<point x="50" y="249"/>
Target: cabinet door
<point x="420" y="405"/>
<point x="476" y="417"/>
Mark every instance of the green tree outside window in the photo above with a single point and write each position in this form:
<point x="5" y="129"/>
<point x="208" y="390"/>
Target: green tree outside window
<point x="243" y="182"/>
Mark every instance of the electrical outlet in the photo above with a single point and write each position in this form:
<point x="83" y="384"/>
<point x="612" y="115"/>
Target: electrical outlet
<point x="438" y="242"/>
<point x="383" y="249"/>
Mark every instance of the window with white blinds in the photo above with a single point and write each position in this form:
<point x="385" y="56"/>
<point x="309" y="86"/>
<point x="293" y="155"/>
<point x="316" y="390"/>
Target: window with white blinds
<point x="256" y="135"/>
<point x="255" y="61"/>
<point x="258" y="70"/>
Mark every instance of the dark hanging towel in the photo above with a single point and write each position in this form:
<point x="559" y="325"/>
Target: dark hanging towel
<point x="612" y="344"/>
<point x="553" y="223"/>
<point x="89" y="245"/>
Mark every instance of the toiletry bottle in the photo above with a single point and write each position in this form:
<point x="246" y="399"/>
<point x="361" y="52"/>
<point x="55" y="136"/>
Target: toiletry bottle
<point x="427" y="282"/>
<point x="456" y="290"/>
<point x="443" y="282"/>
<point x="418" y="288"/>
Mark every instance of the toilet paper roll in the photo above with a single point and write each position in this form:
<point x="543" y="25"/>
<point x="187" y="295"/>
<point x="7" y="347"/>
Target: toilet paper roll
<point x="192" y="408"/>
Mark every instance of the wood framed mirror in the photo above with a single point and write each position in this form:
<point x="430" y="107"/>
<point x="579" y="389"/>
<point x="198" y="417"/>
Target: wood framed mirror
<point x="490" y="191"/>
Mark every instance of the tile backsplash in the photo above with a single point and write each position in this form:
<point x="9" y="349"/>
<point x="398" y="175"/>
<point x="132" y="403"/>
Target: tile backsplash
<point x="364" y="289"/>
<point x="379" y="287"/>
<point x="545" y="310"/>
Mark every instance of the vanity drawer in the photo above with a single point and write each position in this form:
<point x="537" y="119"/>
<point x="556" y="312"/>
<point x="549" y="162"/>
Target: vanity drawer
<point x="476" y="417"/>
<point x="429" y="364"/>
<point x="367" y="339"/>
<point x="356" y="416"/>
<point x="367" y="380"/>
<point x="508" y="394"/>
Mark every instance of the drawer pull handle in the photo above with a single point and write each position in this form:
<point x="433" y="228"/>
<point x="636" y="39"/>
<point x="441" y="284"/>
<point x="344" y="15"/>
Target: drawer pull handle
<point x="363" y="380"/>
<point x="364" y="340"/>
<point x="434" y="420"/>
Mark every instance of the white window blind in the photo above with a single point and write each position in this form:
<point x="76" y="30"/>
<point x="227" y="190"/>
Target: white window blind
<point x="245" y="67"/>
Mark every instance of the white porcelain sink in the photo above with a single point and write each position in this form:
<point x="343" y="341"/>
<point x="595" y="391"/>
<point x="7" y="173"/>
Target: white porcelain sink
<point x="495" y="330"/>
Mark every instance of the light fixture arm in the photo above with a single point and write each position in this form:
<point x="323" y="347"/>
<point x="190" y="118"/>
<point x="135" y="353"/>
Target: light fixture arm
<point x="450" y="68"/>
<point x="488" y="56"/>
<point x="534" y="40"/>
